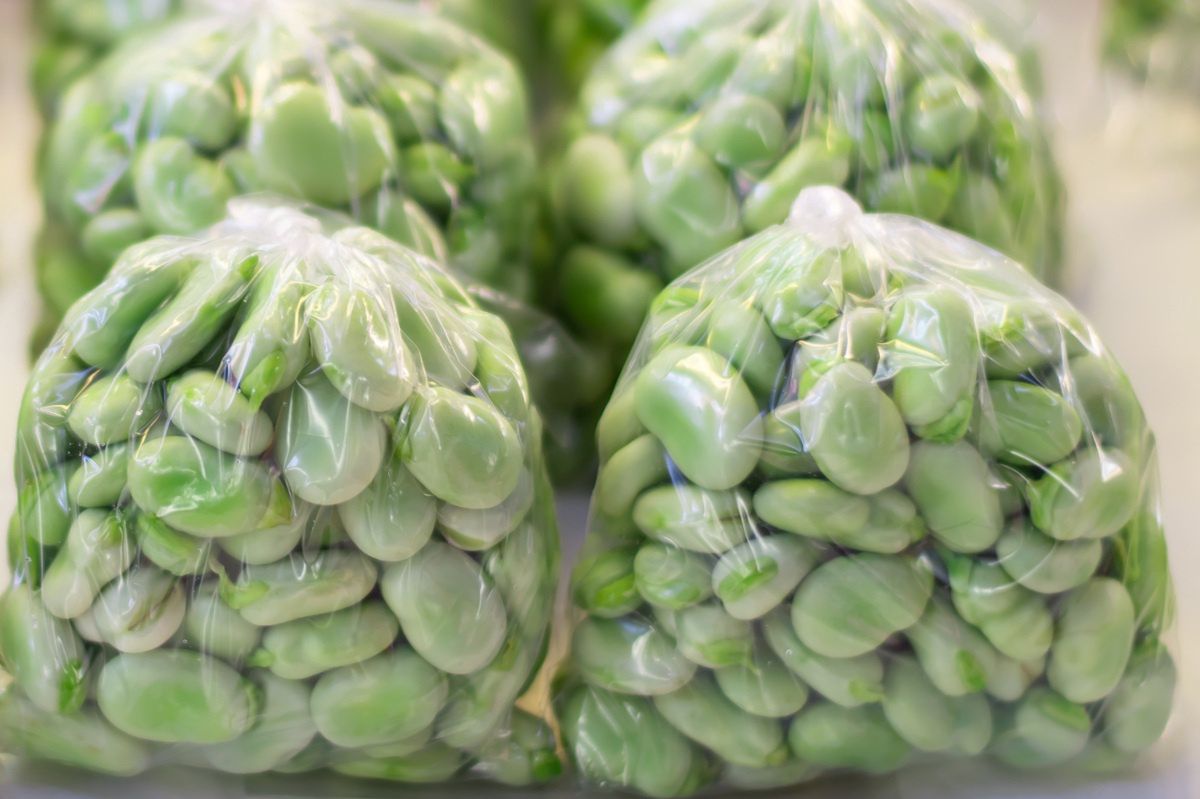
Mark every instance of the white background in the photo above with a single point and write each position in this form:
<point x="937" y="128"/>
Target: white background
<point x="1132" y="163"/>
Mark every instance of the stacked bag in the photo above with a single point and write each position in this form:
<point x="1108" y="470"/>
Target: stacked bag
<point x="869" y="493"/>
<point x="284" y="507"/>
<point x="349" y="106"/>
<point x="705" y="121"/>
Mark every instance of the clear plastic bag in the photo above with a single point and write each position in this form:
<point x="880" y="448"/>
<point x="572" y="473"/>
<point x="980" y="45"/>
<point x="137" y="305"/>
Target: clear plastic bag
<point x="282" y="506"/>
<point x="383" y="109"/>
<point x="707" y="118"/>
<point x="869" y="495"/>
<point x="576" y="33"/>
<point x="75" y="34"/>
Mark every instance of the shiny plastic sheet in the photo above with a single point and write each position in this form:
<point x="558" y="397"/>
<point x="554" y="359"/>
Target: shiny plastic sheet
<point x="386" y="110"/>
<point x="869" y="495"/>
<point x="282" y="507"/>
<point x="707" y="118"/>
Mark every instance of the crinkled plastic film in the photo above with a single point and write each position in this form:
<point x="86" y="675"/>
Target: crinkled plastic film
<point x="383" y="109"/>
<point x="707" y="118"/>
<point x="282" y="507"/>
<point x="869" y="495"/>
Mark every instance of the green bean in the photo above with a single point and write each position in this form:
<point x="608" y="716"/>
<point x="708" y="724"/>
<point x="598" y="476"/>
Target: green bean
<point x="1093" y="641"/>
<point x="673" y="578"/>
<point x="849" y="682"/>
<point x="1091" y="496"/>
<point x="1044" y="729"/>
<point x="297" y="587"/>
<point x="199" y="490"/>
<point x="460" y="448"/>
<point x="82" y="739"/>
<point x="700" y="711"/>
<point x="703" y="414"/>
<point x="811" y="508"/>
<point x="624" y="740"/>
<point x="296" y="120"/>
<point x="629" y="656"/>
<point x="140" y="611"/>
<point x="320" y="469"/>
<point x="850" y="605"/>
<point x="98" y="550"/>
<point x="176" y="696"/>
<point x="448" y="608"/>
<point x="281" y="731"/>
<point x="604" y="583"/>
<point x="854" y="431"/>
<point x="708" y="636"/>
<point x="1041" y="563"/>
<point x="754" y="577"/>
<point x="385" y="699"/>
<point x="694" y="519"/>
<point x="42" y="653"/>
<point x="763" y="686"/>
<point x="300" y="649"/>
<point x="952" y="487"/>
<point x="100" y="479"/>
<point x="393" y="517"/>
<point x="829" y="735"/>
<point x="214" y="627"/>
<point x="1136" y="712"/>
<point x="206" y="407"/>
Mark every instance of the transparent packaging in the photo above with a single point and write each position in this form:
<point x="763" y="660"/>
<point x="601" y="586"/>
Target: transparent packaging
<point x="75" y="34"/>
<point x="706" y="119"/>
<point x="869" y="495"/>
<point x="576" y="34"/>
<point x="282" y="506"/>
<point x="386" y="110"/>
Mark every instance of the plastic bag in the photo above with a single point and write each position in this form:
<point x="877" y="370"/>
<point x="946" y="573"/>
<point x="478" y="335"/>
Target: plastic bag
<point x="282" y="506"/>
<point x="77" y="33"/>
<point x="380" y="108"/>
<point x="1155" y="40"/>
<point x="868" y="494"/>
<point x="576" y="33"/>
<point x="705" y="121"/>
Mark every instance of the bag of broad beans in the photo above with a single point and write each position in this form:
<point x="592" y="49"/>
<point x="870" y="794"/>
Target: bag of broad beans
<point x="706" y="119"/>
<point x="869" y="495"/>
<point x="384" y="109"/>
<point x="282" y="506"/>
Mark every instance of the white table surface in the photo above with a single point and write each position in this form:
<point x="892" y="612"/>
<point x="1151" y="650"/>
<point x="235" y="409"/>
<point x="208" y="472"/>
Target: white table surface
<point x="1132" y="163"/>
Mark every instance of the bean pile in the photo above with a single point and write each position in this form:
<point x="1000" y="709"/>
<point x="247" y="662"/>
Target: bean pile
<point x="703" y="123"/>
<point x="282" y="507"/>
<point x="867" y="491"/>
